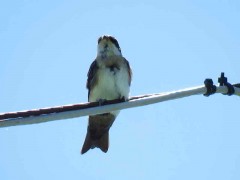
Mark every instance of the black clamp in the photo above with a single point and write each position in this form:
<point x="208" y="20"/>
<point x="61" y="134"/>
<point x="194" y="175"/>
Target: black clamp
<point x="223" y="82"/>
<point x="211" y="89"/>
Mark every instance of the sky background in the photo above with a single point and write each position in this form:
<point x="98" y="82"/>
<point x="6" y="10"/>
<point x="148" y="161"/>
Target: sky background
<point x="46" y="48"/>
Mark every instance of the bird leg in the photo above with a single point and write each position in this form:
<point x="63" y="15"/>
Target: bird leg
<point x="101" y="101"/>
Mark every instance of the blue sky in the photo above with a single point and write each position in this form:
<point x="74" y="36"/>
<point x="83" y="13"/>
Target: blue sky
<point x="46" y="48"/>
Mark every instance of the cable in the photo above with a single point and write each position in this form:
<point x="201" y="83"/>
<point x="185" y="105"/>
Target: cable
<point x="85" y="109"/>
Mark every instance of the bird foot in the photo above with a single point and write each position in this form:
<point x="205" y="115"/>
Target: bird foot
<point x="123" y="98"/>
<point x="101" y="102"/>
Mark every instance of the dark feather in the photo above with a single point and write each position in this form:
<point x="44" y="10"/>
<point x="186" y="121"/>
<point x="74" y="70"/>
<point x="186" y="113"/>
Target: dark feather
<point x="129" y="72"/>
<point x="92" y="78"/>
<point x="98" y="132"/>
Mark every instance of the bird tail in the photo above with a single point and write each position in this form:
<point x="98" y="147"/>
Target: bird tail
<point x="90" y="143"/>
<point x="98" y="132"/>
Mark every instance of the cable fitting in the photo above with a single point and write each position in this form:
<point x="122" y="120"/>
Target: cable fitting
<point x="223" y="82"/>
<point x="211" y="88"/>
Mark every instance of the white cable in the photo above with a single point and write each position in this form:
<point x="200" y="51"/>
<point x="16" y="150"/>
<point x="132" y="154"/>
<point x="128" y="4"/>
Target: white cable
<point x="151" y="99"/>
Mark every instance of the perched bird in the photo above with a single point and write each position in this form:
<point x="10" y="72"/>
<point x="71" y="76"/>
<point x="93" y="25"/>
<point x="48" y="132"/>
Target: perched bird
<point x="109" y="77"/>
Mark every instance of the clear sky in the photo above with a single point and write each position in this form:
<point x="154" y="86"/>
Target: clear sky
<point x="46" y="48"/>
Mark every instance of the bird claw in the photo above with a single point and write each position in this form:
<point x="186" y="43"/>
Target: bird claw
<point x="123" y="99"/>
<point x="101" y="102"/>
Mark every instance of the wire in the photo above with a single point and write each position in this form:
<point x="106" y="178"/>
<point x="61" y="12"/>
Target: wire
<point x="85" y="109"/>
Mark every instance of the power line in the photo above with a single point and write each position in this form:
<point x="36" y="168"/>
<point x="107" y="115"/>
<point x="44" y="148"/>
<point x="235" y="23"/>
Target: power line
<point x="85" y="109"/>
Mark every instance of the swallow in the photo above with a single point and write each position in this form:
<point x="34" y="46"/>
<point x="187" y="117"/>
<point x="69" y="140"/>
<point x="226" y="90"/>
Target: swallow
<point x="109" y="77"/>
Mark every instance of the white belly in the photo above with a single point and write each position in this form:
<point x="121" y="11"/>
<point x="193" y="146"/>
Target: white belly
<point x="111" y="85"/>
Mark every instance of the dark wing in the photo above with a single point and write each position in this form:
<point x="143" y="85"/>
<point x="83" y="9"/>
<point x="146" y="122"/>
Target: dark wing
<point x="91" y="76"/>
<point x="129" y="71"/>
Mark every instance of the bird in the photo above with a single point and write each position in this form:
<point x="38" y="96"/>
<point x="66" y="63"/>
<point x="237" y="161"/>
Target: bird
<point x="109" y="78"/>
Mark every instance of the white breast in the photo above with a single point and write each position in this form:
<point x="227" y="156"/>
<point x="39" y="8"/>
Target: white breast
<point x="111" y="85"/>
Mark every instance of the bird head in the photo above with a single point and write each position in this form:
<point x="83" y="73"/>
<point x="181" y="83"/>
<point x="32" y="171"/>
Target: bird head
<point x="108" y="46"/>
